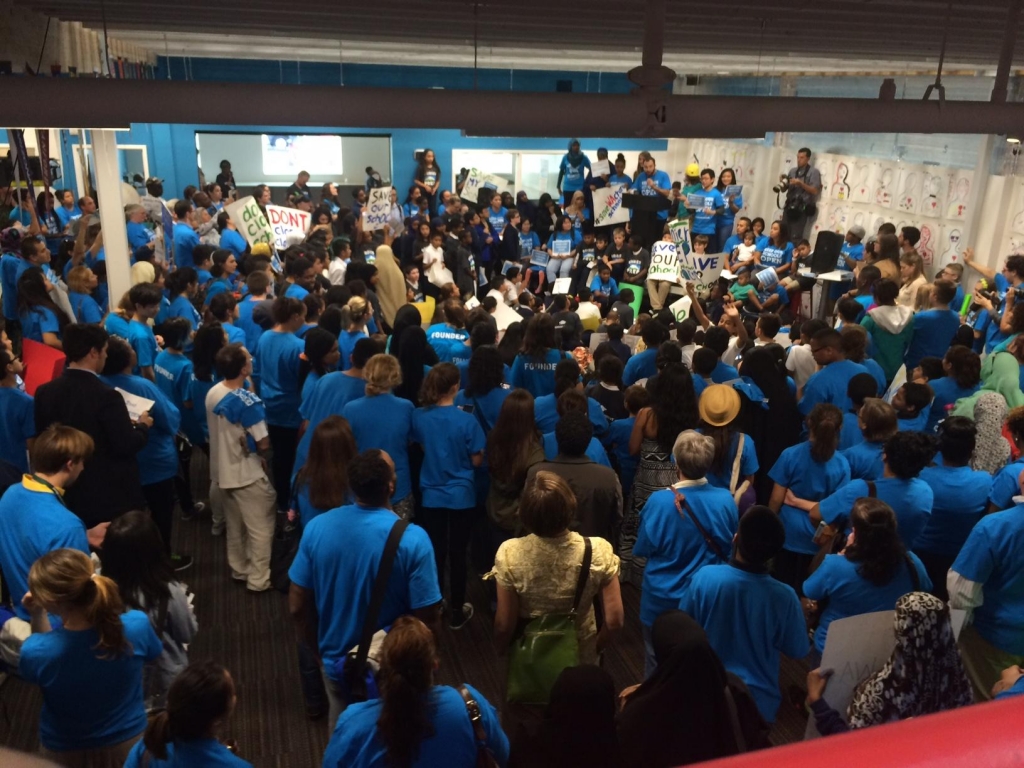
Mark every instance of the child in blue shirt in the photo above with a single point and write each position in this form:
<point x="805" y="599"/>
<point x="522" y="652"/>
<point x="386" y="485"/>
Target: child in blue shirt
<point x="145" y="299"/>
<point x="912" y="402"/>
<point x="17" y="420"/>
<point x="560" y="246"/>
<point x="603" y="288"/>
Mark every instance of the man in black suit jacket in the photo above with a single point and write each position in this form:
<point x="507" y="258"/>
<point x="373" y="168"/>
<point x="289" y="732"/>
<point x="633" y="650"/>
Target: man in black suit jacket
<point x="109" y="485"/>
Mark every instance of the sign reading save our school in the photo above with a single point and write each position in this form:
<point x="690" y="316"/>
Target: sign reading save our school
<point x="664" y="262"/>
<point x="285" y="221"/>
<point x="608" y="207"/>
<point x="701" y="269"/>
<point x="250" y="221"/>
<point x="378" y="206"/>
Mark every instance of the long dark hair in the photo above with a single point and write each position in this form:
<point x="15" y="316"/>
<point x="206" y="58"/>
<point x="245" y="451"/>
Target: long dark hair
<point x="824" y="424"/>
<point x="486" y="371"/>
<point x="406" y="677"/>
<point x="208" y="341"/>
<point x="513" y="439"/>
<point x="407" y="316"/>
<point x="674" y="403"/>
<point x="723" y="437"/>
<point x="414" y="354"/>
<point x="721" y="184"/>
<point x="318" y="344"/>
<point x="540" y="336"/>
<point x="32" y="294"/>
<point x="133" y="555"/>
<point x="200" y="695"/>
<point x="326" y="469"/>
<point x="876" y="543"/>
<point x="511" y="343"/>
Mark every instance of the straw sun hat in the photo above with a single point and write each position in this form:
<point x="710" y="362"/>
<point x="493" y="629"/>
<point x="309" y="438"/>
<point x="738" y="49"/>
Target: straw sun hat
<point x="719" y="405"/>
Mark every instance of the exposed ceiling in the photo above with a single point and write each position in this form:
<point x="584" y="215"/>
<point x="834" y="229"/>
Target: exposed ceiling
<point x="721" y="37"/>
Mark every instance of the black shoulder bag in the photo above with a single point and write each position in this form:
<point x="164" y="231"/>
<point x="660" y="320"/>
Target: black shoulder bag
<point x="683" y="508"/>
<point x="354" y="672"/>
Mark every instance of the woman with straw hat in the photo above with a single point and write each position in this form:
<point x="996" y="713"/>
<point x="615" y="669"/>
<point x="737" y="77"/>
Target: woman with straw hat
<point x="735" y="461"/>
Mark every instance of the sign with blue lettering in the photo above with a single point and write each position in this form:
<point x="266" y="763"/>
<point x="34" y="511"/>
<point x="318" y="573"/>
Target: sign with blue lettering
<point x="608" y="207"/>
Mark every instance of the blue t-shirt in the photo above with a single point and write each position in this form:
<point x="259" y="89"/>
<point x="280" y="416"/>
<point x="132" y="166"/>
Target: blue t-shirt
<point x="203" y="276"/>
<point x="1005" y="485"/>
<point x="185" y="240"/>
<point x="65" y="217"/>
<point x="850" y="435"/>
<point x="993" y="556"/>
<point x="498" y="219"/>
<point x="934" y="329"/>
<point x="233" y="241"/>
<point x="440" y="335"/>
<point x="595" y="451"/>
<point x="865" y="460"/>
<point x="850" y="594"/>
<point x="705" y="220"/>
<point x="829" y="386"/>
<point x="338" y="559"/>
<point x="139" y="236"/>
<point x="728" y="217"/>
<point x="486" y="408"/>
<point x="855" y="252"/>
<point x="143" y="341"/>
<point x="748" y="463"/>
<point x="346" y="344"/>
<point x="876" y="371"/>
<point x="174" y="376"/>
<point x="960" y="499"/>
<point x="250" y="327"/>
<point x="914" y="423"/>
<point x="158" y="459"/>
<point x="329" y="397"/>
<point x="750" y="618"/>
<point x="305" y="507"/>
<point x="182" y="307"/>
<point x="296" y="291"/>
<point x="911" y="500"/>
<point x="661" y="181"/>
<point x="277" y="359"/>
<point x="528" y="242"/>
<point x="616" y="442"/>
<point x="199" y="753"/>
<point x="85" y="308"/>
<point x="946" y="392"/>
<point x="774" y="256"/>
<point x="385" y="422"/>
<point x="235" y="334"/>
<point x="608" y="287"/>
<point x="537" y="375"/>
<point x="562" y="242"/>
<point x="723" y="373"/>
<point x="355" y="743"/>
<point x="12" y="266"/>
<point x="573" y="176"/>
<point x="450" y="437"/>
<point x="811" y="480"/>
<point x="219" y="285"/>
<point x="37" y="321"/>
<point x="17" y="426"/>
<point x="545" y="413"/>
<point x="33" y="521"/>
<point x="116" y="325"/>
<point x="66" y="666"/>
<point x="675" y="548"/>
<point x="642" y="365"/>
<point x="198" y="389"/>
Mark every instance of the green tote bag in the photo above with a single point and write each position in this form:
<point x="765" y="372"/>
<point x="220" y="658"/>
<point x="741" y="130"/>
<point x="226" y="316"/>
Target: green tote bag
<point x="547" y="645"/>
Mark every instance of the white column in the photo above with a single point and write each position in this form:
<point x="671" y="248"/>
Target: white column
<point x="115" y="236"/>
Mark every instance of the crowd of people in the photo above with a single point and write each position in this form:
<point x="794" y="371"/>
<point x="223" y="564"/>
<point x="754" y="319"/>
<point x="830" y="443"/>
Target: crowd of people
<point x="424" y="415"/>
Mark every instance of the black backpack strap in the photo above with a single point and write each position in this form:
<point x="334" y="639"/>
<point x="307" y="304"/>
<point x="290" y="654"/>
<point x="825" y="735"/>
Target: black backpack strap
<point x="481" y="420"/>
<point x="581" y="582"/>
<point x="380" y="588"/>
<point x="683" y="508"/>
<point x="872" y="489"/>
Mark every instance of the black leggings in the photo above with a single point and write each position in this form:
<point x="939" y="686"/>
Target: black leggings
<point x="160" y="499"/>
<point x="450" y="531"/>
<point x="284" y="441"/>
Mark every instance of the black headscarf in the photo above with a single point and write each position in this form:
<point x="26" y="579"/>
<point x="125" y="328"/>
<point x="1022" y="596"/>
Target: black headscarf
<point x="680" y="714"/>
<point x="578" y="726"/>
<point x="407" y="316"/>
<point x="527" y="210"/>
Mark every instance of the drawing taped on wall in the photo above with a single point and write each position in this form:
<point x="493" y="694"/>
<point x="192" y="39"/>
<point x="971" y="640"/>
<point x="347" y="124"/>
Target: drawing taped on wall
<point x="885" y="185"/>
<point x="908" y="189"/>
<point x="933" y="186"/>
<point x="958" y="190"/>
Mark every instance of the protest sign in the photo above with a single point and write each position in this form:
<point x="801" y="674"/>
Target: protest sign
<point x="285" y="221"/>
<point x="608" y="208"/>
<point x="478" y="180"/>
<point x="733" y="191"/>
<point x="378" y="206"/>
<point x="695" y="200"/>
<point x="856" y="648"/>
<point x="250" y="221"/>
<point x="701" y="269"/>
<point x="680" y="229"/>
<point x="664" y="262"/>
<point x="167" y="225"/>
<point x="681" y="309"/>
<point x="600" y="168"/>
<point x="539" y="258"/>
<point x="561" y="247"/>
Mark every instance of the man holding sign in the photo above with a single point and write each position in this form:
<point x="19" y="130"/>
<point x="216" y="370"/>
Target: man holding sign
<point x="712" y="206"/>
<point x="663" y="273"/>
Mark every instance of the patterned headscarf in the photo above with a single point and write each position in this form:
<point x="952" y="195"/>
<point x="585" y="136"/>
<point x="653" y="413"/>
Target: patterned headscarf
<point x="924" y="674"/>
<point x="991" y="451"/>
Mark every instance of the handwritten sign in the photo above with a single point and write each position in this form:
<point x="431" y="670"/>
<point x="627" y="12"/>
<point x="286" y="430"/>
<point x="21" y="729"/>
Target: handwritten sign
<point x="250" y="221"/>
<point x="285" y="221"/>
<point x="135" y="404"/>
<point x="681" y="309"/>
<point x="375" y="214"/>
<point x="478" y="180"/>
<point x="608" y="208"/>
<point x="664" y="262"/>
<point x="600" y="168"/>
<point x="701" y="269"/>
<point x="680" y="229"/>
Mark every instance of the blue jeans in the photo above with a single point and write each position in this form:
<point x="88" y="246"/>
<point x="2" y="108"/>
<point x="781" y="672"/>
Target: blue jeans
<point x="559" y="268"/>
<point x="724" y="233"/>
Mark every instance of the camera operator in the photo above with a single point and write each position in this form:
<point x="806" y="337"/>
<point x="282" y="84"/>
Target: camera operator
<point x="998" y="297"/>
<point x="802" y="186"/>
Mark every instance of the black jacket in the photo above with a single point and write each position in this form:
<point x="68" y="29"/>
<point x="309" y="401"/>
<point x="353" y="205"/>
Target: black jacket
<point x="109" y="485"/>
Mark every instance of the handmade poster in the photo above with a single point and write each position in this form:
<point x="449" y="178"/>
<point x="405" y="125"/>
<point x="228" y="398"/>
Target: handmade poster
<point x="862" y="180"/>
<point x="885" y="185"/>
<point x="562" y="285"/>
<point x="929" y="239"/>
<point x="932" y="194"/>
<point x="680" y="229"/>
<point x="539" y="258"/>
<point x="908" y="189"/>
<point x="856" y="648"/>
<point x="600" y="168"/>
<point x="136" y="405"/>
<point x="285" y="221"/>
<point x="701" y="269"/>
<point x="840" y="188"/>
<point x="608" y="208"/>
<point x="681" y="309"/>
<point x="474" y="183"/>
<point x="958" y="191"/>
<point x="950" y="245"/>
<point x="838" y="218"/>
<point x="250" y="221"/>
<point x="664" y="262"/>
<point x="824" y="164"/>
<point x="377" y="209"/>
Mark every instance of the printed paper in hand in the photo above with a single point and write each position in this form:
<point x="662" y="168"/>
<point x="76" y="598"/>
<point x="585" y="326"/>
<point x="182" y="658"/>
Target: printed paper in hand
<point x="695" y="200"/>
<point x="562" y="285"/>
<point x="600" y="168"/>
<point x="897" y="381"/>
<point x="561" y="247"/>
<point x="539" y="258"/>
<point x="664" y="262"/>
<point x="136" y="405"/>
<point x="506" y="266"/>
<point x="608" y="208"/>
<point x="733" y="190"/>
<point x="375" y="214"/>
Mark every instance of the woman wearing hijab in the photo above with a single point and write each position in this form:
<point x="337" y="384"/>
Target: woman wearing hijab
<point x="571" y="174"/>
<point x="999" y="373"/>
<point x="527" y="210"/>
<point x="683" y="714"/>
<point x="578" y="726"/>
<point x="924" y="675"/>
<point x="390" y="287"/>
<point x="991" y="450"/>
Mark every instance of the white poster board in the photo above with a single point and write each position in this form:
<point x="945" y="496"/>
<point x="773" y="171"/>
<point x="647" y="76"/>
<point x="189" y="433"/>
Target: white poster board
<point x="600" y="168"/>
<point x="608" y="208"/>
<point x="561" y="285"/>
<point x="681" y="309"/>
<point x="664" y="262"/>
<point x="250" y="221"/>
<point x="285" y="221"/>
<point x="701" y="269"/>
<point x="378" y="206"/>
